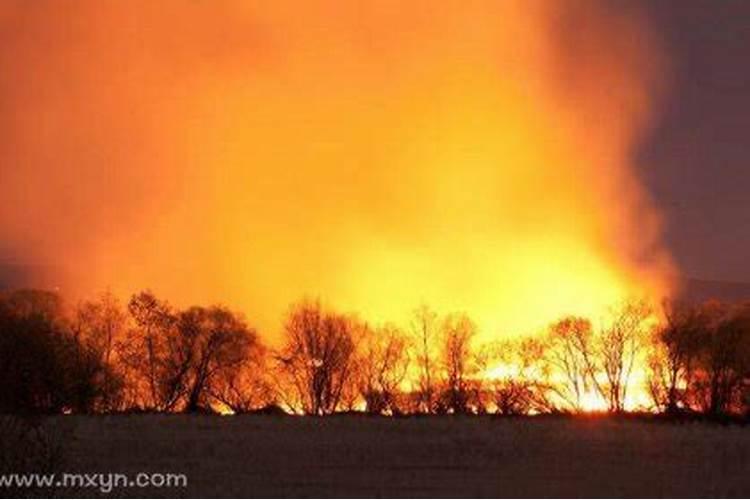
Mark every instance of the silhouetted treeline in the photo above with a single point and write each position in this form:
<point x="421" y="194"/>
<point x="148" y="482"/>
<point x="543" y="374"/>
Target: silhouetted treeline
<point x="102" y="356"/>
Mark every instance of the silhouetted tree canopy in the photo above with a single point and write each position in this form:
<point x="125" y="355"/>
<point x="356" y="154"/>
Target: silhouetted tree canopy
<point x="100" y="356"/>
<point x="318" y="357"/>
<point x="42" y="365"/>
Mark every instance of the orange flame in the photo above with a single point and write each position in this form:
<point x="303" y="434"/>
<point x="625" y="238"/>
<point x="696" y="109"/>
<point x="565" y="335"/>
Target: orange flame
<point x="379" y="154"/>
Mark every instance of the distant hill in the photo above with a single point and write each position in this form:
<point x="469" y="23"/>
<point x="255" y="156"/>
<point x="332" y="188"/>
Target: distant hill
<point x="24" y="276"/>
<point x="693" y="290"/>
<point x="697" y="290"/>
<point x="11" y="276"/>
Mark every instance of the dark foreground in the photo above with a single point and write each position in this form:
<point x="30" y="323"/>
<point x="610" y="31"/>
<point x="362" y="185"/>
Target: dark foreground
<point x="416" y="457"/>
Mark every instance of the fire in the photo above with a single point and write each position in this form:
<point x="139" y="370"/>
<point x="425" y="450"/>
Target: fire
<point x="378" y="155"/>
<point x="593" y="402"/>
<point x="637" y="397"/>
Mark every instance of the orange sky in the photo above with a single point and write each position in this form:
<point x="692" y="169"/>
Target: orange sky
<point x="471" y="155"/>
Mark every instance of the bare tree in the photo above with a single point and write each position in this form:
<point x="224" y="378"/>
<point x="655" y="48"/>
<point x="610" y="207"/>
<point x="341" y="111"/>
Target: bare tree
<point x="458" y="332"/>
<point x="246" y="386"/>
<point x="145" y="349"/>
<point x="523" y="387"/>
<point x="214" y="343"/>
<point x="182" y="360"/>
<point x="723" y="379"/>
<point x="425" y="336"/>
<point x="571" y="359"/>
<point x="317" y="358"/>
<point x="383" y="364"/>
<point x="619" y="346"/>
<point x="675" y="353"/>
<point x="101" y="323"/>
<point x="43" y="366"/>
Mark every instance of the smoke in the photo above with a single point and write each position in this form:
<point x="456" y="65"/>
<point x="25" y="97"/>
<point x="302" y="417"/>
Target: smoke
<point x="470" y="155"/>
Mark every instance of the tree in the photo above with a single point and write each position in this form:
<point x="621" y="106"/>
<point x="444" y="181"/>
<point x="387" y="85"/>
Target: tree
<point x="101" y="323"/>
<point x="245" y="386"/>
<point x="722" y="380"/>
<point x="214" y="344"/>
<point x="383" y="364"/>
<point x="146" y="348"/>
<point x="523" y="386"/>
<point x="570" y="354"/>
<point x="44" y="368"/>
<point x="458" y="333"/>
<point x="675" y="353"/>
<point x="184" y="359"/>
<point x="424" y="332"/>
<point x="317" y="358"/>
<point x="619" y="346"/>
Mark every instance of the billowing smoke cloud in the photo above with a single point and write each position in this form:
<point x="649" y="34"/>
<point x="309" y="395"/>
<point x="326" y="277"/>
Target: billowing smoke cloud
<point x="469" y="155"/>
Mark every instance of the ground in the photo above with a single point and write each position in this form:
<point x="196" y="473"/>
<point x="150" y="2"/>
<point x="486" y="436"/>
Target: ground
<point x="270" y="456"/>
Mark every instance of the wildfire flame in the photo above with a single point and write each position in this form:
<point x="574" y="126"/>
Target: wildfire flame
<point x="379" y="155"/>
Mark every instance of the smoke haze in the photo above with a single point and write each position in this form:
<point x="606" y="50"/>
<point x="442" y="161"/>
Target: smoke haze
<point x="473" y="156"/>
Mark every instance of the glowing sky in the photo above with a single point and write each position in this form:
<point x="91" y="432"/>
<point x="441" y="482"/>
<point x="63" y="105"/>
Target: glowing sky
<point x="474" y="156"/>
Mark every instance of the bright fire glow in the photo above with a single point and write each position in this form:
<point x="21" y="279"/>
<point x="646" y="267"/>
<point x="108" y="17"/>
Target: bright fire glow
<point x="471" y="156"/>
<point x="593" y="402"/>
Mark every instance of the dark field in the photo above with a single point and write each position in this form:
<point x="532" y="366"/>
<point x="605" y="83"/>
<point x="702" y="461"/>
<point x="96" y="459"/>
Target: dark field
<point x="436" y="456"/>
